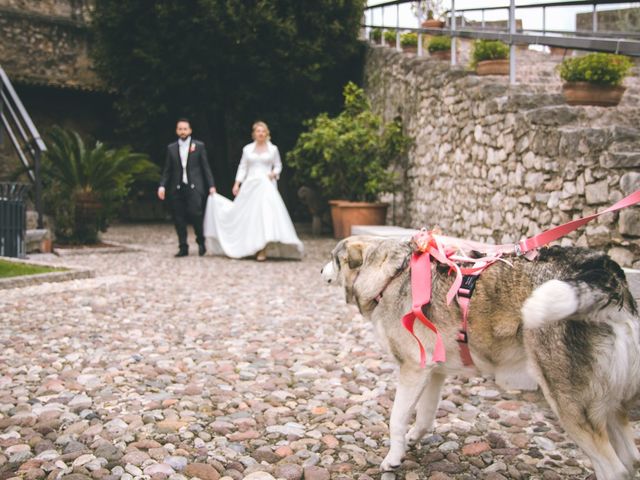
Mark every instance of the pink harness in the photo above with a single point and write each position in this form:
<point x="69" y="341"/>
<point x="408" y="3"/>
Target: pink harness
<point x="450" y="251"/>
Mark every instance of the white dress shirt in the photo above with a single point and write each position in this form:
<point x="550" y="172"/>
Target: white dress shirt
<point x="183" y="149"/>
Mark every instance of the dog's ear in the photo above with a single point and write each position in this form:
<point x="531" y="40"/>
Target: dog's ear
<point x="355" y="254"/>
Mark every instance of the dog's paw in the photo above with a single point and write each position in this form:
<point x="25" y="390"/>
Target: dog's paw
<point x="414" y="435"/>
<point x="390" y="463"/>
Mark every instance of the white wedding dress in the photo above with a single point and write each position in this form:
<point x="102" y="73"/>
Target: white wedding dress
<point x="257" y="217"/>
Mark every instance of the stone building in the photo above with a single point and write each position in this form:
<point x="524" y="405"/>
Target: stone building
<point x="620" y="20"/>
<point x="45" y="52"/>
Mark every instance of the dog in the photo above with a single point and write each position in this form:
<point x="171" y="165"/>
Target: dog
<point x="565" y="322"/>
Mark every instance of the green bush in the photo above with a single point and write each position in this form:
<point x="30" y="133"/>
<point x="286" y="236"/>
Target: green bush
<point x="597" y="68"/>
<point x="439" y="44"/>
<point x="488" y="50"/>
<point x="84" y="188"/>
<point x="348" y="157"/>
<point x="409" y="39"/>
<point x="376" y="34"/>
<point x="390" y="36"/>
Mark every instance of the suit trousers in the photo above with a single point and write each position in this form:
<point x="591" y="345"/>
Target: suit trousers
<point x="187" y="209"/>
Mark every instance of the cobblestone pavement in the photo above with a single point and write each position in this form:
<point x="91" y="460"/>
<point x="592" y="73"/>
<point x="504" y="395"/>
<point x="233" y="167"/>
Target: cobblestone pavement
<point x="209" y="367"/>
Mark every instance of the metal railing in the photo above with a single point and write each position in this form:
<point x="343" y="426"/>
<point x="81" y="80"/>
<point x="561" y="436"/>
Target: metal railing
<point x="23" y="135"/>
<point x="626" y="43"/>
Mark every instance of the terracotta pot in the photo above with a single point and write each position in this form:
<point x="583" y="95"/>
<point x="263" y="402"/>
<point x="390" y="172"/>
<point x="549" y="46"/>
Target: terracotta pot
<point x="432" y="23"/>
<point x="410" y="49"/>
<point x="584" y="93"/>
<point x="493" y="67"/>
<point x="87" y="205"/>
<point x="362" y="213"/>
<point x="46" y="246"/>
<point x="441" y="54"/>
<point x="336" y="217"/>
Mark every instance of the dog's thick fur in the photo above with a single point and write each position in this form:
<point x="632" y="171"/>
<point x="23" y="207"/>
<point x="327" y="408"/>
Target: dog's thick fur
<point x="566" y="322"/>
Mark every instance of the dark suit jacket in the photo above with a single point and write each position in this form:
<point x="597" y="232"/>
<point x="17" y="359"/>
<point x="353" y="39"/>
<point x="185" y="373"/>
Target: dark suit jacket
<point x="199" y="176"/>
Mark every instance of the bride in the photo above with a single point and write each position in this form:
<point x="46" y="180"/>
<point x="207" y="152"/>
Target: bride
<point x="257" y="221"/>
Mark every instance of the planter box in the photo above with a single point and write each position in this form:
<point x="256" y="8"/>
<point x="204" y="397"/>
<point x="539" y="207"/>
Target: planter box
<point x="441" y="54"/>
<point x="362" y="213"/>
<point x="493" y="67"/>
<point x="584" y="93"/>
<point x="433" y="23"/>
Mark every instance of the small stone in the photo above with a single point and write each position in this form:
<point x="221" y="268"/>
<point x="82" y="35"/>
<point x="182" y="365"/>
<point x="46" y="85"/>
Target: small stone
<point x="316" y="473"/>
<point x="259" y="475"/>
<point x="203" y="471"/>
<point x="289" y="471"/>
<point x="159" y="468"/>
<point x="265" y="454"/>
<point x="475" y="448"/>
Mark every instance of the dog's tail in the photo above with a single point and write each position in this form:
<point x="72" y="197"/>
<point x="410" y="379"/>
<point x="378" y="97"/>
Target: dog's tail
<point x="557" y="300"/>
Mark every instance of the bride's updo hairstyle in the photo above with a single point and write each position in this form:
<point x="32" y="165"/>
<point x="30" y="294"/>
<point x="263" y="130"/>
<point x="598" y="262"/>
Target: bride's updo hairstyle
<point x="263" y="125"/>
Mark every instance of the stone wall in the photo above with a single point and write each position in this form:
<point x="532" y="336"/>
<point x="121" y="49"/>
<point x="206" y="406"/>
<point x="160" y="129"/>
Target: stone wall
<point x="47" y="43"/>
<point x="496" y="163"/>
<point x="79" y="10"/>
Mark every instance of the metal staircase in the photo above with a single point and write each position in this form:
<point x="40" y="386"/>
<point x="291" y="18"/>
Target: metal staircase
<point x="23" y="135"/>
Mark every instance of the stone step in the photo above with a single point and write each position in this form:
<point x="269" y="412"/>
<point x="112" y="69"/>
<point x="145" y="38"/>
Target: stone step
<point x="382" y="230"/>
<point x="38" y="240"/>
<point x="633" y="278"/>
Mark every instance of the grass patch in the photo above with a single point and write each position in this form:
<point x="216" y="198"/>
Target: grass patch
<point x="14" y="269"/>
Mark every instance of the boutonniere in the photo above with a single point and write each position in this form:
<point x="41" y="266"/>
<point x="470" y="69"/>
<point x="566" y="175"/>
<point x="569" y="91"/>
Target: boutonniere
<point x="192" y="148"/>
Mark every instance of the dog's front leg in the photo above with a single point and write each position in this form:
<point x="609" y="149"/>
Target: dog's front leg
<point x="426" y="408"/>
<point x="411" y="383"/>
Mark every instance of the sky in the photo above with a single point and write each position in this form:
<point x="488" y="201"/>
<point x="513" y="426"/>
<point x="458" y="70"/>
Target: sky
<point x="557" y="18"/>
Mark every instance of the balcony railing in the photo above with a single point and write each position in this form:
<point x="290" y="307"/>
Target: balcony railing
<point x="458" y="26"/>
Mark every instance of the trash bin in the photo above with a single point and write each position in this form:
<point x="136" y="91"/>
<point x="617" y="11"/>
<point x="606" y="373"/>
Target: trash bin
<point x="13" y="219"/>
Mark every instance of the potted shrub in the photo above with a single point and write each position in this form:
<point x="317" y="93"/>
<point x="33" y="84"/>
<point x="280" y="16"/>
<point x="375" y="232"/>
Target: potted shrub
<point x="594" y="79"/>
<point x="84" y="188"/>
<point x="432" y="22"/>
<point x="440" y="47"/>
<point x="433" y="8"/>
<point x="409" y="42"/>
<point x="347" y="158"/>
<point x="376" y="35"/>
<point x="490" y="57"/>
<point x="390" y="38"/>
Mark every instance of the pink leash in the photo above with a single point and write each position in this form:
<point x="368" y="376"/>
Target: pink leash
<point x="444" y="250"/>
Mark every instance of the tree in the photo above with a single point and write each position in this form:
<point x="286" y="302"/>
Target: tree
<point x="225" y="64"/>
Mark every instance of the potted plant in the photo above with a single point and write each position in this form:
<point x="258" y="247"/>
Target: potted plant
<point x="409" y="42"/>
<point x="347" y="158"/>
<point x="390" y="38"/>
<point x="85" y="187"/>
<point x="440" y="47"/>
<point x="433" y="8"/>
<point x="376" y="35"/>
<point x="594" y="79"/>
<point x="432" y="22"/>
<point x="490" y="57"/>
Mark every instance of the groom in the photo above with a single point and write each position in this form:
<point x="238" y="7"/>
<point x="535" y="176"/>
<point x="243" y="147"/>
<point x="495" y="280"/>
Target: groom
<point x="187" y="179"/>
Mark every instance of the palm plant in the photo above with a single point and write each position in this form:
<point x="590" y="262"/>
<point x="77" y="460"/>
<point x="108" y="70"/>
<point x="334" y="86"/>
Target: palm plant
<point x="84" y="188"/>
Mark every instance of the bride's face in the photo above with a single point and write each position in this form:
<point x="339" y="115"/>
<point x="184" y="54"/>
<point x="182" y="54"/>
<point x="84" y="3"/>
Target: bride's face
<point x="260" y="134"/>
